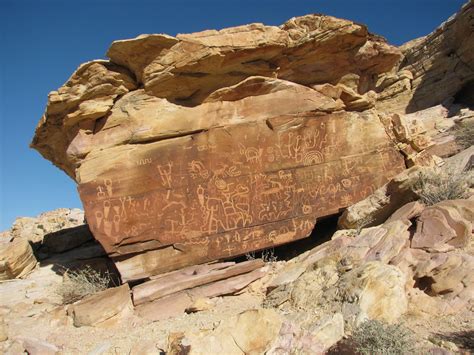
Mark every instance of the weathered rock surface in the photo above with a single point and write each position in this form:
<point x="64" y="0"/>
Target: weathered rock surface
<point x="189" y="278"/>
<point x="16" y="258"/>
<point x="251" y="332"/>
<point x="377" y="290"/>
<point x="434" y="68"/>
<point x="210" y="145"/>
<point x="379" y="206"/>
<point x="34" y="229"/>
<point x="177" y="303"/>
<point x="36" y="346"/>
<point x="103" y="308"/>
<point x="385" y="271"/>
<point x="55" y="232"/>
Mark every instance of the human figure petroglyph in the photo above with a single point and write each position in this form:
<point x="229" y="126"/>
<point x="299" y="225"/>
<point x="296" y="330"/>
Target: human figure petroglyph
<point x="130" y="202"/>
<point x="108" y="186"/>
<point x="212" y="221"/>
<point x="99" y="217"/>
<point x="100" y="192"/>
<point x="289" y="145"/>
<point x="165" y="174"/>
<point x="227" y="210"/>
<point x="310" y="138"/>
<point x="106" y="205"/>
<point x="108" y="228"/>
<point x="116" y="222"/>
<point x="200" y="194"/>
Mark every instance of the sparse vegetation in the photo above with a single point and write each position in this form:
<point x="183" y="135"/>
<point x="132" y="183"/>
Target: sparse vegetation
<point x="363" y="222"/>
<point x="375" y="337"/>
<point x="267" y="255"/>
<point x="464" y="134"/>
<point x="78" y="284"/>
<point x="440" y="186"/>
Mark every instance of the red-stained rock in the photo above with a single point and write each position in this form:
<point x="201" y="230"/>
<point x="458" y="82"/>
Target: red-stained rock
<point x="444" y="226"/>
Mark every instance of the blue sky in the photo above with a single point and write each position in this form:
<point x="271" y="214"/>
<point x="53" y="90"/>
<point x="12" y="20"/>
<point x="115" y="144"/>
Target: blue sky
<point x="43" y="42"/>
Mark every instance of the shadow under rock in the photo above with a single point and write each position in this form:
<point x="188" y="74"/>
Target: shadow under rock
<point x="74" y="249"/>
<point x="322" y="232"/>
<point x="463" y="339"/>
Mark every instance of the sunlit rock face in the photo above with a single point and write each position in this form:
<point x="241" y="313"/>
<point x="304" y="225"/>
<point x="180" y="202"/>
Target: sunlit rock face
<point x="210" y="145"/>
<point x="435" y="68"/>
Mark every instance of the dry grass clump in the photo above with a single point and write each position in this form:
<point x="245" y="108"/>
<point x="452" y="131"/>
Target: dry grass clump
<point x="267" y="255"/>
<point x="375" y="337"/>
<point x="464" y="134"/>
<point x="80" y="283"/>
<point x="440" y="186"/>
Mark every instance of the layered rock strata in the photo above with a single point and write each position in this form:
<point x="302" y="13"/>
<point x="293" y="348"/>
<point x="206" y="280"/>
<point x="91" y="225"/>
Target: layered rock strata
<point x="434" y="68"/>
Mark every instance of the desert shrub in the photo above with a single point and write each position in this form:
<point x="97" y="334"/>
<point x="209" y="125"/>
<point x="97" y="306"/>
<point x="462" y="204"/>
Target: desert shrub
<point x="267" y="255"/>
<point x="435" y="187"/>
<point x="363" y="222"/>
<point x="375" y="337"/>
<point x="464" y="134"/>
<point x="78" y="284"/>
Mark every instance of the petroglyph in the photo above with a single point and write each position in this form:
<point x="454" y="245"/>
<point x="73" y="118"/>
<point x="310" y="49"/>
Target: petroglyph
<point x="216" y="199"/>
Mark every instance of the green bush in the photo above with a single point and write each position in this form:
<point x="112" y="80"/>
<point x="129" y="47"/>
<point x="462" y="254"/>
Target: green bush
<point x="374" y="337"/>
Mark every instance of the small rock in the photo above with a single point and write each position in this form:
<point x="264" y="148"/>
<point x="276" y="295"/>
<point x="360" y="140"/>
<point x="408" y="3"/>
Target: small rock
<point x="146" y="348"/>
<point x="34" y="346"/>
<point x="3" y="331"/>
<point x="102" y="308"/>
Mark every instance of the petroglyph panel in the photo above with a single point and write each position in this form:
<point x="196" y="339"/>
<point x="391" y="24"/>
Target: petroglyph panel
<point x="186" y="190"/>
<point x="213" y="247"/>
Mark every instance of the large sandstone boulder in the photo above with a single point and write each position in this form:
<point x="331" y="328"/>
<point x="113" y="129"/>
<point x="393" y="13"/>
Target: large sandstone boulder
<point x="209" y="145"/>
<point x="213" y="144"/>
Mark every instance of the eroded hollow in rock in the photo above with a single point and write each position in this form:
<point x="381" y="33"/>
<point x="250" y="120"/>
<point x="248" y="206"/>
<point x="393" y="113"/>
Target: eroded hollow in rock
<point x="424" y="284"/>
<point x="465" y="96"/>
